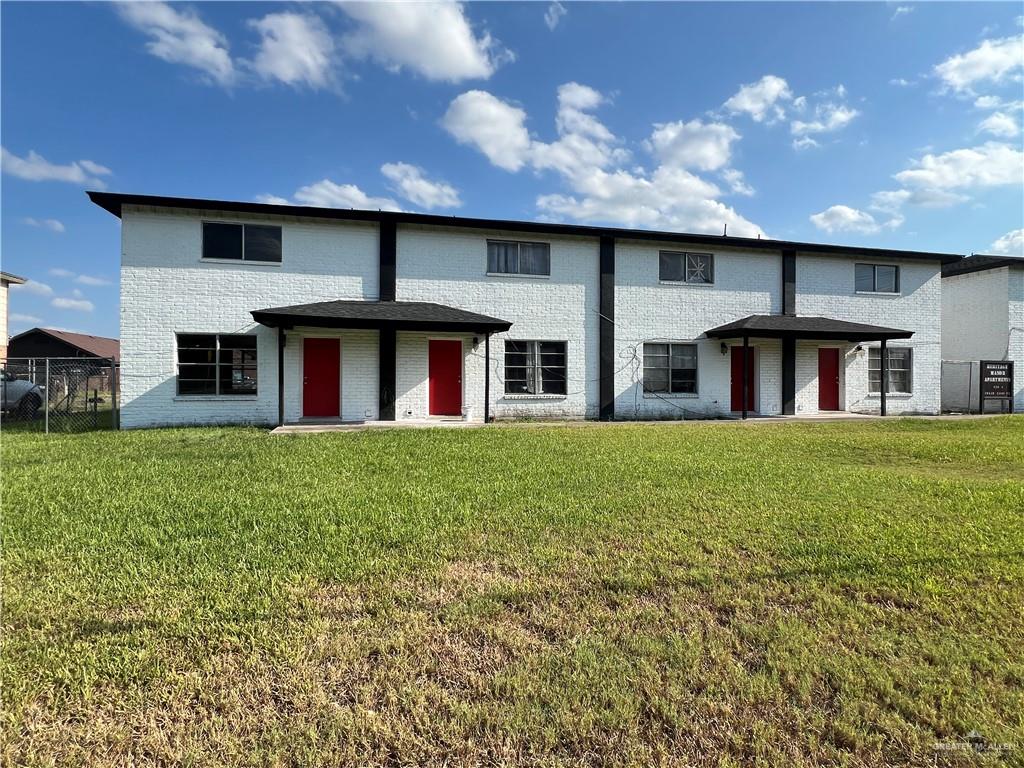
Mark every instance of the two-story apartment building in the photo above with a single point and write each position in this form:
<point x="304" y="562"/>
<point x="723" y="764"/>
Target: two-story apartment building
<point x="983" y="319"/>
<point x="248" y="312"/>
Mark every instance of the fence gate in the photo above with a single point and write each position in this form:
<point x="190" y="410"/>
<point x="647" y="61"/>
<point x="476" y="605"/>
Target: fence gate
<point x="59" y="394"/>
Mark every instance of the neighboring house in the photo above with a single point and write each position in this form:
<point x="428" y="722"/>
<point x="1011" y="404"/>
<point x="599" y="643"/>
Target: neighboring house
<point x="248" y="312"/>
<point x="6" y="279"/>
<point x="49" y="342"/>
<point x="983" y="316"/>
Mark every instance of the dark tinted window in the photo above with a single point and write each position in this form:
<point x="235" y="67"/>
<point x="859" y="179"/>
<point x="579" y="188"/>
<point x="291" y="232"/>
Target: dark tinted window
<point x="877" y="278"/>
<point x="535" y="368"/>
<point x="672" y="266"/>
<point x="886" y="279"/>
<point x="509" y="257"/>
<point x="222" y="241"/>
<point x="262" y="243"/>
<point x="670" y="368"/>
<point x="865" y="277"/>
<point x="209" y="364"/>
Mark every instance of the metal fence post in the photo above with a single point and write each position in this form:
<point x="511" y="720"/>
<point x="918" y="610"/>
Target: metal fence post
<point x="46" y="400"/>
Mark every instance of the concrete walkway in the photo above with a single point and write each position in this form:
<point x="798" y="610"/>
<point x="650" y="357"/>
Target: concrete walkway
<point x="306" y="428"/>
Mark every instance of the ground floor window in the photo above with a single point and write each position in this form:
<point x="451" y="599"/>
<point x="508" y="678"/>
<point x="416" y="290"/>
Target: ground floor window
<point x="670" y="368"/>
<point x="535" y="368"/>
<point x="899" y="369"/>
<point x="216" y="364"/>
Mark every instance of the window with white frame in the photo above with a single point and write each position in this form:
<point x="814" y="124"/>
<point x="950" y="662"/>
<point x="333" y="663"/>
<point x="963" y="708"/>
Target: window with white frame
<point x="216" y="364"/>
<point x="510" y="257"/>
<point x="535" y="367"/>
<point x="241" y="242"/>
<point x="694" y="268"/>
<point x="670" y="368"/>
<point x="877" y="278"/>
<point x="900" y="362"/>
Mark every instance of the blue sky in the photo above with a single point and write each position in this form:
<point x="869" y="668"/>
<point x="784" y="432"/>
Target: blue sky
<point x="881" y="124"/>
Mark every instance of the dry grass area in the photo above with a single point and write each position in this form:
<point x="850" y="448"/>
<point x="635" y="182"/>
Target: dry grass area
<point x="803" y="594"/>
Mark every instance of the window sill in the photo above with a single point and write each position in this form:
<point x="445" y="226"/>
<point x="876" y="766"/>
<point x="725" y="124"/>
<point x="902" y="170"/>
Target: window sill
<point x="516" y="275"/>
<point x="214" y="398"/>
<point x="243" y="262"/>
<point x="534" y="397"/>
<point x="671" y="396"/>
<point x="897" y="395"/>
<point x="683" y="283"/>
<point x="878" y="293"/>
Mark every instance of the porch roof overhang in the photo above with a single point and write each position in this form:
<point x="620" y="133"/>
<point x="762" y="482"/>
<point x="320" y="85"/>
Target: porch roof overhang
<point x="800" y="327"/>
<point x="392" y="315"/>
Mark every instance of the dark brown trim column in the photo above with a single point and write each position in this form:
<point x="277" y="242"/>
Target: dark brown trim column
<point x="606" y="344"/>
<point x="280" y="376"/>
<point x="387" y="349"/>
<point x="487" y="378"/>
<point x="388" y="261"/>
<point x="789" y="282"/>
<point x="885" y="376"/>
<point x="789" y="375"/>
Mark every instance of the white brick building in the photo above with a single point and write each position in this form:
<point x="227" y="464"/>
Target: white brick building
<point x="243" y="312"/>
<point x="983" y="319"/>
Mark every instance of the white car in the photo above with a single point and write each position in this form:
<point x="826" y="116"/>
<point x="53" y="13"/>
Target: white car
<point x="19" y="396"/>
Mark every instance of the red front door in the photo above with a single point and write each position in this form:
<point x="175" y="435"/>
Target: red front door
<point x="321" y="369"/>
<point x="737" y="379"/>
<point x="828" y="379"/>
<point x="445" y="377"/>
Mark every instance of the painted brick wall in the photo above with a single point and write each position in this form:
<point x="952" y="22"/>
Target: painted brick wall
<point x="450" y="267"/>
<point x="1016" y="341"/>
<point x="825" y="286"/>
<point x="646" y="309"/>
<point x="166" y="289"/>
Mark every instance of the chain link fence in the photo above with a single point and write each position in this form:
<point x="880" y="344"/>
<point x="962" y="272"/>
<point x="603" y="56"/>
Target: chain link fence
<point x="59" y="394"/>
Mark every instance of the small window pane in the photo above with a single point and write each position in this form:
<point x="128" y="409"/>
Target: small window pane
<point x="699" y="268"/>
<point x="655" y="380"/>
<point x="222" y="241"/>
<point x="197" y="341"/>
<point x="534" y="258"/>
<point x="262" y="243"/>
<point x="865" y="277"/>
<point x="671" y="266"/>
<point x="886" y="279"/>
<point x="502" y="257"/>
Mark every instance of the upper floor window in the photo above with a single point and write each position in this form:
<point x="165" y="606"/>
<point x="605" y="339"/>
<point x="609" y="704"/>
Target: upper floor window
<point x="216" y="364"/>
<point x="670" y="368"/>
<point x="877" y="278"/>
<point x="899" y="370"/>
<point x="697" y="268"/>
<point x="243" y="242"/>
<point x="508" y="257"/>
<point x="535" y="368"/>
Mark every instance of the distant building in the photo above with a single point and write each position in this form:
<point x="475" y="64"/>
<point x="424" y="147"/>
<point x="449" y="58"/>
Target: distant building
<point x="983" y="319"/>
<point x="49" y="342"/>
<point x="6" y="279"/>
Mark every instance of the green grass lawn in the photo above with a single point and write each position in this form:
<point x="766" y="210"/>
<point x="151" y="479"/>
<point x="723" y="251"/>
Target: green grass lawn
<point x="706" y="594"/>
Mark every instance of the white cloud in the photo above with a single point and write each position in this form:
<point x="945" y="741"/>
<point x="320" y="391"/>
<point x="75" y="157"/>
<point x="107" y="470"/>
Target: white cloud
<point x="78" y="305"/>
<point x="993" y="61"/>
<point x="761" y="100"/>
<point x="989" y="165"/>
<point x="554" y="14"/>
<point x="34" y="167"/>
<point x="60" y="272"/>
<point x="34" y="287"/>
<point x="17" y="317"/>
<point x="589" y="160"/>
<point x="698" y="145"/>
<point x="295" y="48"/>
<point x="828" y="117"/>
<point x="902" y="82"/>
<point x="1000" y="124"/>
<point x="432" y="39"/>
<point x="805" y="142"/>
<point x="892" y="201"/>
<point x="273" y="200"/>
<point x="181" y="37"/>
<point x="493" y="126"/>
<point x="327" y="194"/>
<point x="902" y="10"/>
<point x="51" y="224"/>
<point x="91" y="280"/>
<point x="737" y="184"/>
<point x="411" y="183"/>
<point x="1011" y="244"/>
<point x="842" y="218"/>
